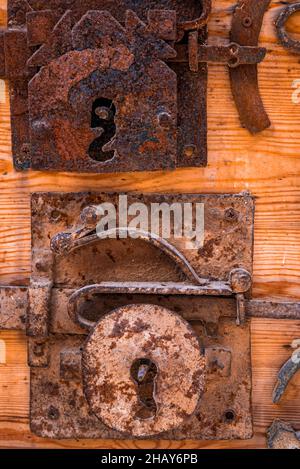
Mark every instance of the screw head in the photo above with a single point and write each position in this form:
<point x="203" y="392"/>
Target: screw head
<point x="39" y="350"/>
<point x="53" y="413"/>
<point x="189" y="151"/>
<point x="231" y="214"/>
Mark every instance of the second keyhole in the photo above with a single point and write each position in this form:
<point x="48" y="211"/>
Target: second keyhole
<point x="103" y="117"/>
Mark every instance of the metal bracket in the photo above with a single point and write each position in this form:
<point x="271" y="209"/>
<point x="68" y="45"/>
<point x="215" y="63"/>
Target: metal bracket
<point x="104" y="108"/>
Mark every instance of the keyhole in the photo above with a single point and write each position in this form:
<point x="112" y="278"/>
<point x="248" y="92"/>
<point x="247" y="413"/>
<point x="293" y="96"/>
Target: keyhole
<point x="144" y="371"/>
<point x="103" y="115"/>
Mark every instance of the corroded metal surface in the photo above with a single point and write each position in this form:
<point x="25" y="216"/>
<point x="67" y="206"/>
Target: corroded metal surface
<point x="125" y="57"/>
<point x="286" y="40"/>
<point x="156" y="335"/>
<point x="245" y="29"/>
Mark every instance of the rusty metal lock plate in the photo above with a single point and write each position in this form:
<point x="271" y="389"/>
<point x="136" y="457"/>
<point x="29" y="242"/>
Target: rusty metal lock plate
<point x="92" y="89"/>
<point x="115" y="324"/>
<point x="100" y="86"/>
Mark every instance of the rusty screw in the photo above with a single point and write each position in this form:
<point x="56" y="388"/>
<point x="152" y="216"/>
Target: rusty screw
<point x="55" y="215"/>
<point x="41" y="127"/>
<point x="164" y="120"/>
<point x="189" y="151"/>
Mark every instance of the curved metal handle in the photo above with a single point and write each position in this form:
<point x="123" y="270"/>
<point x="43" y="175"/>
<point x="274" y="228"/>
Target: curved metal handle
<point x="285" y="374"/>
<point x="64" y="243"/>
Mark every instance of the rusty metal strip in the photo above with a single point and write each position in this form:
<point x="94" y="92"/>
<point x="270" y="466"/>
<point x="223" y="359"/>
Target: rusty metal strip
<point x="288" y="42"/>
<point x="245" y="29"/>
<point x="43" y="140"/>
<point x="232" y="54"/>
<point x="272" y="309"/>
<point x="287" y="371"/>
<point x="14" y="300"/>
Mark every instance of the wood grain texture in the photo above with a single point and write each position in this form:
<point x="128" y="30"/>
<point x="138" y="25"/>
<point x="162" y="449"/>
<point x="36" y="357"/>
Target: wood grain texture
<point x="267" y="165"/>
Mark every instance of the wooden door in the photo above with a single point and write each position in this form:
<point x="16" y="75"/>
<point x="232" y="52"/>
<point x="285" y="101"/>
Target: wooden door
<point x="267" y="165"/>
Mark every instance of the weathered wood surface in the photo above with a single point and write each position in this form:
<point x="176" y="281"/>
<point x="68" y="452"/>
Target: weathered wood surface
<point x="266" y="165"/>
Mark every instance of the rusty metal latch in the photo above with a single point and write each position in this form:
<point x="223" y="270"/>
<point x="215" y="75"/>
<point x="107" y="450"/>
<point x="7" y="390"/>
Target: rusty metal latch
<point x="122" y="87"/>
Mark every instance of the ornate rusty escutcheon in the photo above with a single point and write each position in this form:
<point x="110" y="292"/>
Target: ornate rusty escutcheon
<point x="100" y="86"/>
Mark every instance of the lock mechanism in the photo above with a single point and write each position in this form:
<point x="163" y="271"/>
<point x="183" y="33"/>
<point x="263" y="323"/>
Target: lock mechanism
<point x="132" y="334"/>
<point x="101" y="86"/>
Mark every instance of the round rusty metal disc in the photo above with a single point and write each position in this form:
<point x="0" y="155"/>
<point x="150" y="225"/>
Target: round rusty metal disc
<point x="146" y="332"/>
